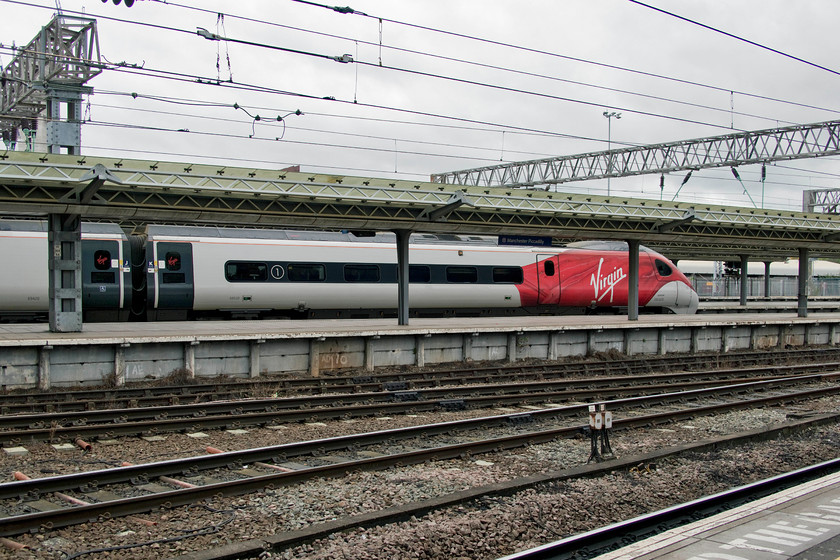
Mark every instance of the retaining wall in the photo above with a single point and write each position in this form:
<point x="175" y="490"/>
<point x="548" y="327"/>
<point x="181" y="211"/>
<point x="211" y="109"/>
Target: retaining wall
<point x="76" y="362"/>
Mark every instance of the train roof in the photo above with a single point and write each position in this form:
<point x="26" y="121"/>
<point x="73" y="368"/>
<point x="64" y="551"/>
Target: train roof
<point x="312" y="235"/>
<point x="41" y="226"/>
<point x="605" y="245"/>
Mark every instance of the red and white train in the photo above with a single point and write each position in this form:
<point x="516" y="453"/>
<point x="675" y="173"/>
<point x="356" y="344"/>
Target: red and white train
<point x="183" y="272"/>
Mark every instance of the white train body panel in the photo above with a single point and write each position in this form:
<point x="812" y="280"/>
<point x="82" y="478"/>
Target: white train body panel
<point x="24" y="287"/>
<point x="213" y="291"/>
<point x="24" y="272"/>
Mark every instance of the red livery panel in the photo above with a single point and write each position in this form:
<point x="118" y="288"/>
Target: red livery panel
<point x="594" y="278"/>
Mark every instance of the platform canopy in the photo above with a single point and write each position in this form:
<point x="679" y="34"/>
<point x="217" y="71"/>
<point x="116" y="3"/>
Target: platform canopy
<point x="131" y="191"/>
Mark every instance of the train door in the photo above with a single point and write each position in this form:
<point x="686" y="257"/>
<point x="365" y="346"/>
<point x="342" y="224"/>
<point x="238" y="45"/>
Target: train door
<point x="171" y="267"/>
<point x="548" y="280"/>
<point x="102" y="278"/>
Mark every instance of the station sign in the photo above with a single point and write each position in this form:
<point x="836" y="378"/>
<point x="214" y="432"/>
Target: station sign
<point x="532" y="240"/>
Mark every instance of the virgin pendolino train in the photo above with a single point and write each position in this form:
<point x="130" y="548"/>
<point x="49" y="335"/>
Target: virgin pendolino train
<point x="184" y="272"/>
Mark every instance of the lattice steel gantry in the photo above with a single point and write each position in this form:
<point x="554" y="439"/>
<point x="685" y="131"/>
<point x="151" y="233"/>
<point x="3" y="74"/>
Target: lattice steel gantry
<point x="730" y="150"/>
<point x="46" y="74"/>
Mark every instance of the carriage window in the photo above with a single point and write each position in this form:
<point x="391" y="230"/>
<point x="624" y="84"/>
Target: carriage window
<point x="419" y="274"/>
<point x="103" y="278"/>
<point x="306" y="272"/>
<point x="662" y="268"/>
<point x="461" y="274"/>
<point x="173" y="261"/>
<point x="361" y="273"/>
<point x="508" y="274"/>
<point x="246" y="272"/>
<point x="102" y="260"/>
<point x="549" y="268"/>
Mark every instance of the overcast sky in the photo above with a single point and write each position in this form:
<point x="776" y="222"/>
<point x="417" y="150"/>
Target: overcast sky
<point x="408" y="126"/>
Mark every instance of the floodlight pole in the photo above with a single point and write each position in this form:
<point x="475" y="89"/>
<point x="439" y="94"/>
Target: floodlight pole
<point x="610" y="115"/>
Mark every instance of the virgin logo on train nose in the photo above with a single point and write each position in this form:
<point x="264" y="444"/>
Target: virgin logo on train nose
<point x="606" y="284"/>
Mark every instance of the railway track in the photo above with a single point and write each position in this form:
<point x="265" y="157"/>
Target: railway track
<point x="132" y="490"/>
<point x="158" y="396"/>
<point x="106" y="424"/>
<point x="592" y="544"/>
<point x="71" y="400"/>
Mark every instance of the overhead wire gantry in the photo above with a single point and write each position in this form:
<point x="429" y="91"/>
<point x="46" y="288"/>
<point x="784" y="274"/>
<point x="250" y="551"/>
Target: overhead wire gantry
<point x="47" y="74"/>
<point x="729" y="150"/>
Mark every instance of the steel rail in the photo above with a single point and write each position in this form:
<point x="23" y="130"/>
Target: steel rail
<point x="67" y="516"/>
<point x="286" y="451"/>
<point x="599" y="541"/>
<point x="401" y="392"/>
<point x="227" y="419"/>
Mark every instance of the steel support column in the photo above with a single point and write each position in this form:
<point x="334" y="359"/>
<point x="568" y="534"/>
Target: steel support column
<point x="766" y="279"/>
<point x="744" y="281"/>
<point x="65" y="278"/>
<point x="402" y="276"/>
<point x="633" y="281"/>
<point x="64" y="133"/>
<point x="802" y="305"/>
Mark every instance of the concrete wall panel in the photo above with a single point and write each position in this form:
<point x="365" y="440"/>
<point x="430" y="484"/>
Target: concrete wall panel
<point x="737" y="337"/>
<point x="765" y="337"/>
<point x="81" y="365"/>
<point x="642" y="341"/>
<point x="394" y="351"/>
<point x="708" y="339"/>
<point x="231" y="358"/>
<point x="153" y="361"/>
<point x="793" y="335"/>
<point x="18" y="367"/>
<point x="571" y="343"/>
<point x="444" y="349"/>
<point x="532" y="345"/>
<point x="606" y="340"/>
<point x="341" y="353"/>
<point x="284" y="356"/>
<point x="819" y="335"/>
<point x="489" y="347"/>
<point x="676" y="340"/>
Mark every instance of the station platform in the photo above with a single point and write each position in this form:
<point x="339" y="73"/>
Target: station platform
<point x="23" y="333"/>
<point x="800" y="523"/>
<point x="767" y="306"/>
<point x="116" y="353"/>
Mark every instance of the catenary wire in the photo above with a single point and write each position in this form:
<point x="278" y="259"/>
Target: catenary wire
<point x="471" y="82"/>
<point x="211" y="80"/>
<point x="323" y="56"/>
<point x="543" y="52"/>
<point x="733" y="36"/>
<point x="270" y="123"/>
<point x="531" y="74"/>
